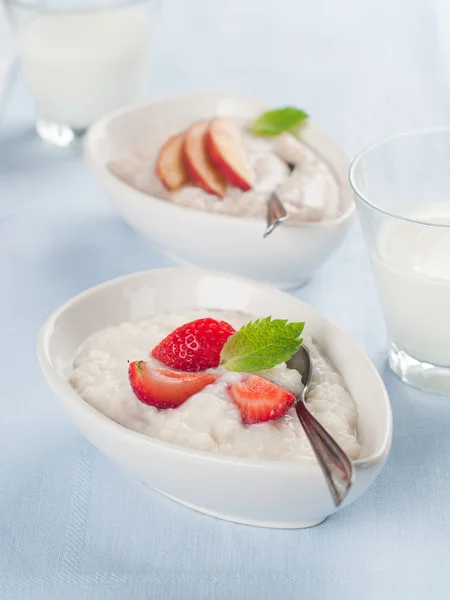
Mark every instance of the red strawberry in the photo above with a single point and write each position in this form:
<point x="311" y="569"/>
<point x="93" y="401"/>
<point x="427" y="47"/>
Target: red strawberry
<point x="259" y="399"/>
<point x="164" y="388"/>
<point x="195" y="346"/>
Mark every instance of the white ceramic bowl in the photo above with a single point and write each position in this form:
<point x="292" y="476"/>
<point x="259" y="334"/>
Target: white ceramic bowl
<point x="256" y="492"/>
<point x="287" y="258"/>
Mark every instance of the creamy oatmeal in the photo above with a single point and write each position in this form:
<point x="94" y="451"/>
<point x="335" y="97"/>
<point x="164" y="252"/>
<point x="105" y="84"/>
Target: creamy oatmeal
<point x="303" y="181"/>
<point x="209" y="420"/>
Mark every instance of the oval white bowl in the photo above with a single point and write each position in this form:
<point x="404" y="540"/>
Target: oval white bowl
<point x="287" y="258"/>
<point x="271" y="494"/>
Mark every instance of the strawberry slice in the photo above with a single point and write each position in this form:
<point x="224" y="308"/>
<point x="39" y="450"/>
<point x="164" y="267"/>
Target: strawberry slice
<point x="164" y="388"/>
<point x="227" y="154"/>
<point x="259" y="399"/>
<point x="195" y="346"/>
<point x="198" y="164"/>
<point x="170" y="166"/>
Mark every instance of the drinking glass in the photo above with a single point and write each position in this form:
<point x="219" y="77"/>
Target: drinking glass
<point x="83" y="58"/>
<point x="402" y="191"/>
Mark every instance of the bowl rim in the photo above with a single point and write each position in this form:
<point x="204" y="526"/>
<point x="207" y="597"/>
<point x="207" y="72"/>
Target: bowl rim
<point x="140" y="196"/>
<point x="363" y="197"/>
<point x="67" y="395"/>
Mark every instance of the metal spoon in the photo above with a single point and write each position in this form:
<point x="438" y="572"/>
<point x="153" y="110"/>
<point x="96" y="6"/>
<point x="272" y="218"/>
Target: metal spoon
<point x="335" y="464"/>
<point x="276" y="214"/>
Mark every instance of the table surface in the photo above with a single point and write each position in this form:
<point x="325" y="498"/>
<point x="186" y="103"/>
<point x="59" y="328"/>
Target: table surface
<point x="72" y="525"/>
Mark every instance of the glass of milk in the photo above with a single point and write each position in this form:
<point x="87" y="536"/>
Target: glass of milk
<point x="83" y="59"/>
<point x="402" y="190"/>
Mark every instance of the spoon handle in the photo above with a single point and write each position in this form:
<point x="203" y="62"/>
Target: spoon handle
<point x="335" y="464"/>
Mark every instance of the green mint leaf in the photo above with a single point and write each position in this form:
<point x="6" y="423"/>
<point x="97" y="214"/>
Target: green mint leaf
<point x="274" y="122"/>
<point x="261" y="344"/>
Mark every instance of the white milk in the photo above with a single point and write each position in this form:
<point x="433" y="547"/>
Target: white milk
<point x="413" y="274"/>
<point x="80" y="66"/>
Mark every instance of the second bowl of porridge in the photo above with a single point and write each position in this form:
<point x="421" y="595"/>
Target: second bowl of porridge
<point x="212" y="432"/>
<point x="207" y="220"/>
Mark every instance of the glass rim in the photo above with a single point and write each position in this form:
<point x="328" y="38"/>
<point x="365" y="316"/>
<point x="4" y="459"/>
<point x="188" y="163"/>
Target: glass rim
<point x="360" y="156"/>
<point x="51" y="9"/>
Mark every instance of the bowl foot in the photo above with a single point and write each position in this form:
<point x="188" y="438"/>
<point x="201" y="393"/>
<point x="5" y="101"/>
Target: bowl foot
<point x="286" y="286"/>
<point x="292" y="287"/>
<point x="253" y="523"/>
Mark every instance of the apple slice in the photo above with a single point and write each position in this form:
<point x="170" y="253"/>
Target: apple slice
<point x="170" y="166"/>
<point x="227" y="154"/>
<point x="198" y="164"/>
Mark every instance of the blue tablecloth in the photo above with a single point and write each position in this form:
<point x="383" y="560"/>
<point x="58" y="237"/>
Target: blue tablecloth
<point x="72" y="525"/>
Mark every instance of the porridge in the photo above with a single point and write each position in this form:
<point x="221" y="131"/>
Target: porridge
<point x="240" y="180"/>
<point x="209" y="420"/>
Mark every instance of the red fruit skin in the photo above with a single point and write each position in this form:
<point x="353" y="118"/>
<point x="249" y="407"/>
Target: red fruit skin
<point x="260" y="400"/>
<point x="195" y="346"/>
<point x="201" y="170"/>
<point x="164" y="388"/>
<point x="219" y="160"/>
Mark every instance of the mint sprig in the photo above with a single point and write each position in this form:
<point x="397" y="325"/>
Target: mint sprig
<point x="274" y="122"/>
<point x="261" y="344"/>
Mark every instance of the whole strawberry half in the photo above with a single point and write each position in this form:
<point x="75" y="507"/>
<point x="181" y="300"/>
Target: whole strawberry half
<point x="259" y="399"/>
<point x="195" y="346"/>
<point x="164" y="388"/>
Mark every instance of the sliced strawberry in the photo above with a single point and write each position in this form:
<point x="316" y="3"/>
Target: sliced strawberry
<point x="170" y="166"/>
<point x="198" y="164"/>
<point x="227" y="154"/>
<point x="195" y="346"/>
<point x="164" y="388"/>
<point x="259" y="399"/>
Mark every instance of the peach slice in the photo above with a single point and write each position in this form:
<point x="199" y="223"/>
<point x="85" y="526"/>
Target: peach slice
<point x="227" y="154"/>
<point x="170" y="166"/>
<point x="199" y="166"/>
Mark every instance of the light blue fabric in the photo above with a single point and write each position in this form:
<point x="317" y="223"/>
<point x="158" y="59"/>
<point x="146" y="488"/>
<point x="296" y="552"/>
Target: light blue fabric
<point x="72" y="525"/>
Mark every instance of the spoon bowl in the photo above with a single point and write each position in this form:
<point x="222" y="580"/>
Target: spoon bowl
<point x="335" y="464"/>
<point x="276" y="214"/>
